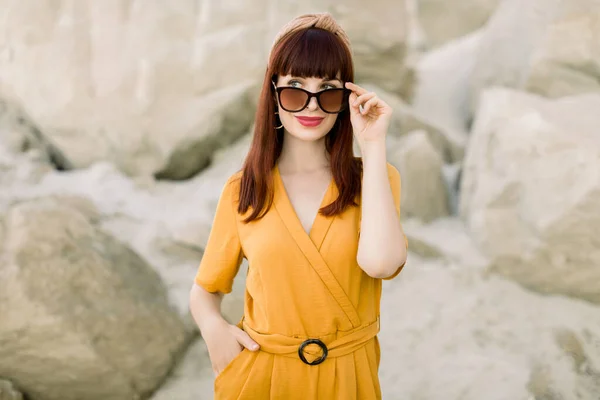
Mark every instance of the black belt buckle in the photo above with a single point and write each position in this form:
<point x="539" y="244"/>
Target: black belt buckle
<point x="306" y="343"/>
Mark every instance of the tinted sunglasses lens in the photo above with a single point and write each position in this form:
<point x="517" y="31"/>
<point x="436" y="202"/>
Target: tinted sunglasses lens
<point x="292" y="99"/>
<point x="334" y="100"/>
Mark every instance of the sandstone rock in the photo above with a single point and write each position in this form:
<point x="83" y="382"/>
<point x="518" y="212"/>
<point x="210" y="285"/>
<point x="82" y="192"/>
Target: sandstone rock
<point x="548" y="47"/>
<point x="445" y="238"/>
<point x="475" y="336"/>
<point x="444" y="20"/>
<point x="152" y="87"/>
<point x="83" y="316"/>
<point x="192" y="377"/>
<point x="18" y="133"/>
<point x="530" y="190"/>
<point x="406" y="119"/>
<point x="8" y="391"/>
<point x="442" y="94"/>
<point x="424" y="193"/>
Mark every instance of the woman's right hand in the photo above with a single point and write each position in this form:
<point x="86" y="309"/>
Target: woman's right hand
<point x="224" y="342"/>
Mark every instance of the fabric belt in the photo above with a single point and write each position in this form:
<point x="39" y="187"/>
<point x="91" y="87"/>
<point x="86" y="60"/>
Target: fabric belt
<point x="318" y="348"/>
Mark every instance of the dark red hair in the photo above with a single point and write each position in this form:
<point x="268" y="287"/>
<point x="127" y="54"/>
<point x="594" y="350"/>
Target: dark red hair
<point x="313" y="52"/>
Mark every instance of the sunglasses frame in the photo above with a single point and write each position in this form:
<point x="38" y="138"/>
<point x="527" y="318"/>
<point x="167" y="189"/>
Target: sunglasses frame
<point x="346" y="91"/>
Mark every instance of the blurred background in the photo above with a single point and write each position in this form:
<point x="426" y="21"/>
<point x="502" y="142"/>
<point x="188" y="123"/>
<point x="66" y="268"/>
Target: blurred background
<point x="120" y="121"/>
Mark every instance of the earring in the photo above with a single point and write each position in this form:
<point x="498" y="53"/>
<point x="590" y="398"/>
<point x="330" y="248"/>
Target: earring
<point x="281" y="126"/>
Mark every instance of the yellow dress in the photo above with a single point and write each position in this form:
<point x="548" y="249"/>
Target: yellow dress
<point x="298" y="287"/>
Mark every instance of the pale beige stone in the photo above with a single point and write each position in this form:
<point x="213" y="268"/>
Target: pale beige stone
<point x="443" y="20"/>
<point x="83" y="316"/>
<point x="424" y="193"/>
<point x="549" y="47"/>
<point x="530" y="191"/>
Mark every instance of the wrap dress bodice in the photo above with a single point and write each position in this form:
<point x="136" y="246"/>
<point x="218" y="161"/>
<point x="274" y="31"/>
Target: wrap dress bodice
<point x="299" y="286"/>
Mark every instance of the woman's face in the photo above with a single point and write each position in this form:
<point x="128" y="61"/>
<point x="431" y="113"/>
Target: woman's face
<point x="292" y="122"/>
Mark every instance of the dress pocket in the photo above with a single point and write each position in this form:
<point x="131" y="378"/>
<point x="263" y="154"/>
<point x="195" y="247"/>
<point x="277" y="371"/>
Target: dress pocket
<point x="229" y="366"/>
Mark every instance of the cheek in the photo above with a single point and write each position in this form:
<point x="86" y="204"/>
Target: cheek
<point x="330" y="120"/>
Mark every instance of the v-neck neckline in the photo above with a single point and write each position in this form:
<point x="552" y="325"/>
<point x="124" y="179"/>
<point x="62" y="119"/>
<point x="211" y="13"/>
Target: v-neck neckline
<point x="288" y="214"/>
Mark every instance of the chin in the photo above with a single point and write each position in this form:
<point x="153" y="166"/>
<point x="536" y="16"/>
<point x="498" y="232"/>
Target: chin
<point x="309" y="135"/>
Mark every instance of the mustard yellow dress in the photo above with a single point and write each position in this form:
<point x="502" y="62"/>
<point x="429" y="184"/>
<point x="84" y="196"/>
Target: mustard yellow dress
<point x="298" y="287"/>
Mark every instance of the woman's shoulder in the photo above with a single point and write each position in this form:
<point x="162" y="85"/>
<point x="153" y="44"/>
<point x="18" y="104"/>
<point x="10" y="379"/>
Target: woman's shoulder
<point x="232" y="185"/>
<point x="235" y="177"/>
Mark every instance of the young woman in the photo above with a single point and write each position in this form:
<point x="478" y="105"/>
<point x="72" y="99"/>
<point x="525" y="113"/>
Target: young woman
<point x="328" y="234"/>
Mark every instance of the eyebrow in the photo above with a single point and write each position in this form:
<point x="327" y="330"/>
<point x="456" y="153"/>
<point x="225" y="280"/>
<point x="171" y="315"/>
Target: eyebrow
<point x="324" y="80"/>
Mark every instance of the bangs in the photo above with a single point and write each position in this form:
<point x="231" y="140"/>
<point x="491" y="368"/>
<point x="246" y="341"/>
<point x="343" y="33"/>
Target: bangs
<point x="314" y="52"/>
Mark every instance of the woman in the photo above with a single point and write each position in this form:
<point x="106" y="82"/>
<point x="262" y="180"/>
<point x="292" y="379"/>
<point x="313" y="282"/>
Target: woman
<point x="311" y="310"/>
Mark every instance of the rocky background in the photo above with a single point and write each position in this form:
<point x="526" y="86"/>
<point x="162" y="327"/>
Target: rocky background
<point x="121" y="120"/>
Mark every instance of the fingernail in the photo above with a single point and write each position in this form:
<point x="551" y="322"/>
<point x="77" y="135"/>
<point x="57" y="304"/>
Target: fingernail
<point x="254" y="347"/>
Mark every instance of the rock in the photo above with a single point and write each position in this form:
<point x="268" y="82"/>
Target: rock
<point x="444" y="238"/>
<point x="192" y="377"/>
<point x="146" y="86"/>
<point x="442" y="94"/>
<point x="443" y="21"/>
<point x="8" y="391"/>
<point x="83" y="316"/>
<point x="548" y="47"/>
<point x="18" y="133"/>
<point x="451" y="331"/>
<point x="530" y="190"/>
<point x="424" y="192"/>
<point x="406" y="119"/>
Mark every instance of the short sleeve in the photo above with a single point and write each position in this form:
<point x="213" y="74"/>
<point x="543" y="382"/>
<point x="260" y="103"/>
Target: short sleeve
<point x="223" y="253"/>
<point x="395" y="184"/>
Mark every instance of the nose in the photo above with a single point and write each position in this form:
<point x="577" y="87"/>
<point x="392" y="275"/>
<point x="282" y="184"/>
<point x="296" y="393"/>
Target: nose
<point x="312" y="104"/>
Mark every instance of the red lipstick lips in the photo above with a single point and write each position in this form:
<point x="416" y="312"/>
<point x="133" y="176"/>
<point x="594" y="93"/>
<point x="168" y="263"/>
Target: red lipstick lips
<point x="310" y="121"/>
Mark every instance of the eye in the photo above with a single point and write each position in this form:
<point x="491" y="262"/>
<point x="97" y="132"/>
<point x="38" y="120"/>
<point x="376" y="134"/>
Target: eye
<point x="324" y="86"/>
<point x="291" y="83"/>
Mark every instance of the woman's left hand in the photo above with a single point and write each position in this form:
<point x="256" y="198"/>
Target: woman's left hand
<point x="372" y="124"/>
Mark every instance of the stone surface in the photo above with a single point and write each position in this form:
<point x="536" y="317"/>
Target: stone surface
<point x="405" y="119"/>
<point x="442" y="95"/>
<point x="424" y="192"/>
<point x="83" y="316"/>
<point x="531" y="190"/>
<point x="549" y="47"/>
<point x="443" y="20"/>
<point x="141" y="84"/>
<point x="8" y="391"/>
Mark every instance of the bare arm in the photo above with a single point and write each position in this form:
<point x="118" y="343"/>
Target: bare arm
<point x="223" y="340"/>
<point x="381" y="247"/>
<point x="205" y="306"/>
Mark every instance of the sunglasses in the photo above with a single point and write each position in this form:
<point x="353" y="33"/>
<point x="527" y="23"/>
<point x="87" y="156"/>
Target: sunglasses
<point x="293" y="99"/>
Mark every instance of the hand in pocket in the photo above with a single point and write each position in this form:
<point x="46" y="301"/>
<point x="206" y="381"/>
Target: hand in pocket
<point x="225" y="342"/>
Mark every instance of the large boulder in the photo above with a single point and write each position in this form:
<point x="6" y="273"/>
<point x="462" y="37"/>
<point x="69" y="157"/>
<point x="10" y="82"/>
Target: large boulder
<point x="444" y="20"/>
<point x="548" y="47"/>
<point x="531" y="190"/>
<point x="442" y="95"/>
<point x="153" y="87"/>
<point x="424" y="191"/>
<point x="83" y="316"/>
<point x="405" y="119"/>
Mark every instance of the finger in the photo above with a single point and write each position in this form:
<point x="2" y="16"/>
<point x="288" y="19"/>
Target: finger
<point x="363" y="98"/>
<point x="369" y="104"/>
<point x="355" y="88"/>
<point x="245" y="340"/>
